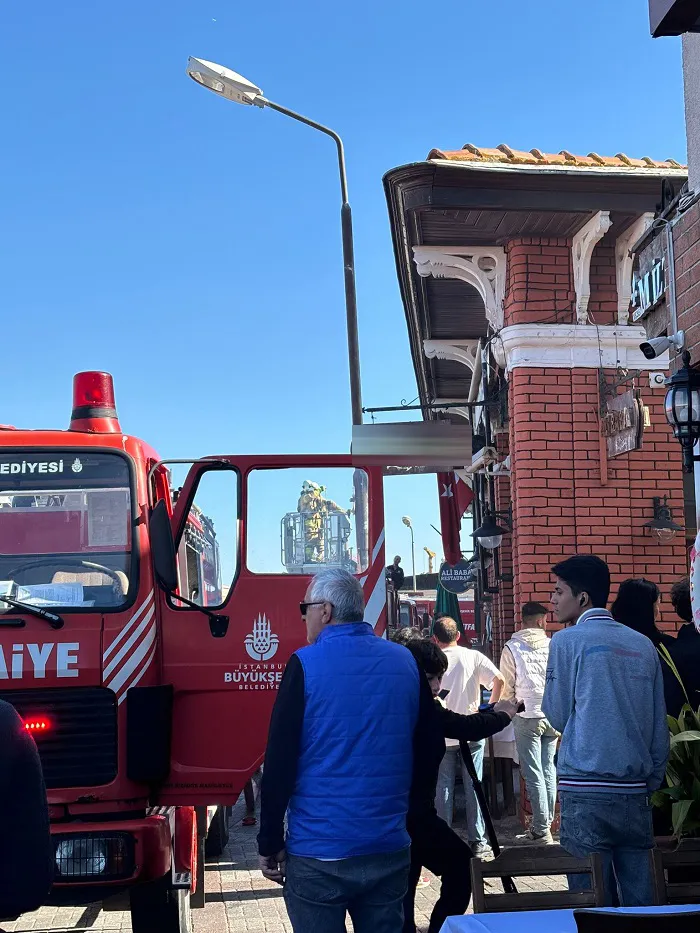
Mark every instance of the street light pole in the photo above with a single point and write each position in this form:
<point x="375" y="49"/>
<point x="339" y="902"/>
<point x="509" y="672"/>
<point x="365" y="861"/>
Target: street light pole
<point x="407" y="522"/>
<point x="348" y="258"/>
<point x="234" y="87"/>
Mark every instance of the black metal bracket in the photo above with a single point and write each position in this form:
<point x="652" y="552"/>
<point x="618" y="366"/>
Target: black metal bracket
<point x="218" y="625"/>
<point x="433" y="406"/>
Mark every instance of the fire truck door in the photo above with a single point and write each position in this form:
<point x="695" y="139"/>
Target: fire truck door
<point x="279" y="521"/>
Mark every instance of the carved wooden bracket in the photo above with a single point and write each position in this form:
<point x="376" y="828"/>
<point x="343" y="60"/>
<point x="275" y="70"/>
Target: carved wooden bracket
<point x="584" y="242"/>
<point x="624" y="261"/>
<point x="483" y="267"/>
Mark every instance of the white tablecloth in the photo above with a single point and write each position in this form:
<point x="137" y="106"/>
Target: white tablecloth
<point x="539" y="921"/>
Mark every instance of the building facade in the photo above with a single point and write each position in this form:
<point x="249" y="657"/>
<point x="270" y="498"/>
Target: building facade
<point x="516" y="272"/>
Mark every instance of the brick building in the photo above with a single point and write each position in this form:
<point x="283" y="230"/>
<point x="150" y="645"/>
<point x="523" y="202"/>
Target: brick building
<point x="515" y="271"/>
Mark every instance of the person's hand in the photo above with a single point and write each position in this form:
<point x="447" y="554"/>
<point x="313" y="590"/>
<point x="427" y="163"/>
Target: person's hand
<point x="274" y="867"/>
<point x="506" y="706"/>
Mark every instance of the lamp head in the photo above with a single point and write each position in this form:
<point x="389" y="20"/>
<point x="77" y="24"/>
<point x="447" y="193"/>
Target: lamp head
<point x="224" y="82"/>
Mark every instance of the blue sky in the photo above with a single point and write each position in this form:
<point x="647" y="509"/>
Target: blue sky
<point x="192" y="247"/>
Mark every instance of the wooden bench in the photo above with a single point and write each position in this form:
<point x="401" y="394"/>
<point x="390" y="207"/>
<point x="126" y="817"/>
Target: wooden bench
<point x="670" y="863"/>
<point x="531" y="861"/>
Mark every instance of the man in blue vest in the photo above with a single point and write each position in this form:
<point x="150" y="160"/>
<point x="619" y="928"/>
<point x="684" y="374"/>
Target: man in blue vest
<point x="339" y="763"/>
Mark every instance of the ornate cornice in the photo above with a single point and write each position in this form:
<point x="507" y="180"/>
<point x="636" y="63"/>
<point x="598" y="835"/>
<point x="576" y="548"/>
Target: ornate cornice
<point x="574" y="346"/>
<point x="483" y="267"/>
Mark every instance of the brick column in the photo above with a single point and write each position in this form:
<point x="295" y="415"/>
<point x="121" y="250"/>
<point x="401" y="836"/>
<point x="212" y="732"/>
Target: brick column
<point x="563" y="501"/>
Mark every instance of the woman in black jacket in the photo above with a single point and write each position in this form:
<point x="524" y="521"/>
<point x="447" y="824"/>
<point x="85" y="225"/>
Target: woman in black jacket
<point x="434" y="845"/>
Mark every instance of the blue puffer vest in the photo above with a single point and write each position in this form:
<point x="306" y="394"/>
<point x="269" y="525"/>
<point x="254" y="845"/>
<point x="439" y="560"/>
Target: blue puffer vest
<point x="356" y="754"/>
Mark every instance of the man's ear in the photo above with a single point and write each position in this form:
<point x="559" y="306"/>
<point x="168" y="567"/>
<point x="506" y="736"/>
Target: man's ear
<point x="459" y="635"/>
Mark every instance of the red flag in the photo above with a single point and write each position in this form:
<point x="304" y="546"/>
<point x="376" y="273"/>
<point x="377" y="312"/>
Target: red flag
<point x="465" y="496"/>
<point x="455" y="499"/>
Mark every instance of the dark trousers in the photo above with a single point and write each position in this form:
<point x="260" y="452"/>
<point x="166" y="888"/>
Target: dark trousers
<point x="370" y="888"/>
<point x="439" y="849"/>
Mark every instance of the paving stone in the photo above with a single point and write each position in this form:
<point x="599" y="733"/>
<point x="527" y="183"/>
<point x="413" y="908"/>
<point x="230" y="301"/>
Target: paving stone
<point x="240" y="899"/>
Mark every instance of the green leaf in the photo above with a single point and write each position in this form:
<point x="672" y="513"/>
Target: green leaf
<point x="673" y="725"/>
<point x="696" y="789"/>
<point x="679" y="814"/>
<point x="663" y="651"/>
<point x="690" y="736"/>
<point x="688" y="718"/>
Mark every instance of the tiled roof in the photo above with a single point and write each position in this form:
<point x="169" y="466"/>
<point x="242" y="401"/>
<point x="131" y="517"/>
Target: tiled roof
<point x="506" y="156"/>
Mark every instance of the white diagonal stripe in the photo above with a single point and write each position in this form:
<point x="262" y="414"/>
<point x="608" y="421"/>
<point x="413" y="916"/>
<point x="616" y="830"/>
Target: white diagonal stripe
<point x="378" y="546"/>
<point x="130" y="665"/>
<point x="376" y="602"/>
<point x="127" y="628"/>
<point x="129" y="644"/>
<point x="138" y="678"/>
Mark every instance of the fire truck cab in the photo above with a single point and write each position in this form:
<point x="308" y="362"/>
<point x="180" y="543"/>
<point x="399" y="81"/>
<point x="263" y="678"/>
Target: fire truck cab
<point x="153" y="674"/>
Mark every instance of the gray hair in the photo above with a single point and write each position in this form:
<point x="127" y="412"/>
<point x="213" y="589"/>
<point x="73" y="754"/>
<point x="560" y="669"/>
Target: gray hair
<point x="343" y="591"/>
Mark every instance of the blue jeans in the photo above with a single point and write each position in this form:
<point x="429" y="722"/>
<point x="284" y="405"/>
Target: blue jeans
<point x="371" y="888"/>
<point x="536" y="742"/>
<point x="445" y="796"/>
<point x="618" y="826"/>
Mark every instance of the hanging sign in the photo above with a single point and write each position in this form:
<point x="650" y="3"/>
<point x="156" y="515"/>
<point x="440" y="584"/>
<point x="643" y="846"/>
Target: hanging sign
<point x="457" y="578"/>
<point x="622" y="424"/>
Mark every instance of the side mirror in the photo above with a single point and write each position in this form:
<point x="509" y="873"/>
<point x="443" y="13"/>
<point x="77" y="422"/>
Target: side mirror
<point x="163" y="547"/>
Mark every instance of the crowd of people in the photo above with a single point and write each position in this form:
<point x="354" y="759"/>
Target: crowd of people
<point x="367" y="736"/>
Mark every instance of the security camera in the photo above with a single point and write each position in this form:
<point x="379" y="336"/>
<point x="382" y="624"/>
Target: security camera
<point x="658" y="345"/>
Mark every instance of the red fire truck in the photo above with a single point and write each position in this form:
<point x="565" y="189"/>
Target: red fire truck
<point x="148" y="694"/>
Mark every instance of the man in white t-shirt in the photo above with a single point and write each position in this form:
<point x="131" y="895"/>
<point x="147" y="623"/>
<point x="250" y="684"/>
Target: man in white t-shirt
<point x="468" y="671"/>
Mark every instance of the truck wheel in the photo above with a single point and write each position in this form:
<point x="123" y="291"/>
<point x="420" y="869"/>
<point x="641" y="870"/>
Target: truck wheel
<point x="217" y="837"/>
<point x="156" y="907"/>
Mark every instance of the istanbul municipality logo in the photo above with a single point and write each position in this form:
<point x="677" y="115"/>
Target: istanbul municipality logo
<point x="262" y="643"/>
<point x="76" y="466"/>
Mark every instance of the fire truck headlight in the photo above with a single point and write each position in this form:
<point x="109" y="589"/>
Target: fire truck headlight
<point x="81" y="858"/>
<point x="105" y="856"/>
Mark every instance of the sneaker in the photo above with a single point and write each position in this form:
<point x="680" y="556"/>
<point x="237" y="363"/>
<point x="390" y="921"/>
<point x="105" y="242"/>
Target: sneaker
<point x="530" y="839"/>
<point x="423" y="881"/>
<point x="481" y="850"/>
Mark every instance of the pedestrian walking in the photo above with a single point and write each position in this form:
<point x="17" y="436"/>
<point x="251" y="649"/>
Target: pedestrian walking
<point x="339" y="763"/>
<point x="250" y="793"/>
<point x="524" y="666"/>
<point x="604" y="693"/>
<point x="433" y="844"/>
<point x="26" y="852"/>
<point x="638" y="607"/>
<point x="685" y="654"/>
<point x="467" y="672"/>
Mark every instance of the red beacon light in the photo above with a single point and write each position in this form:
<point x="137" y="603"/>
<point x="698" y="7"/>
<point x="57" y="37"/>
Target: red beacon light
<point x="37" y="724"/>
<point x="94" y="409"/>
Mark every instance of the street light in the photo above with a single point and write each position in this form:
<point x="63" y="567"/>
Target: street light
<point x="662" y="524"/>
<point x="490" y="534"/>
<point x="407" y="522"/>
<point x="235" y="87"/>
<point x="682" y="405"/>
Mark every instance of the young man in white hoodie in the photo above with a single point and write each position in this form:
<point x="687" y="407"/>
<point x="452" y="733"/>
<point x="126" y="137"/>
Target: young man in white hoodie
<point x="524" y="667"/>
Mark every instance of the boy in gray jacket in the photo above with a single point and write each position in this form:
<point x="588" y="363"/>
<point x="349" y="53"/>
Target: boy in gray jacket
<point x="604" y="693"/>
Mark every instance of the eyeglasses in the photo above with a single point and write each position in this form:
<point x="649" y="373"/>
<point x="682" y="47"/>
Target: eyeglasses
<point x="304" y="607"/>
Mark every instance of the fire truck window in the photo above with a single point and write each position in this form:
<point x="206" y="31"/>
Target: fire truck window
<point x="207" y="552"/>
<point x="300" y="521"/>
<point x="66" y="528"/>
